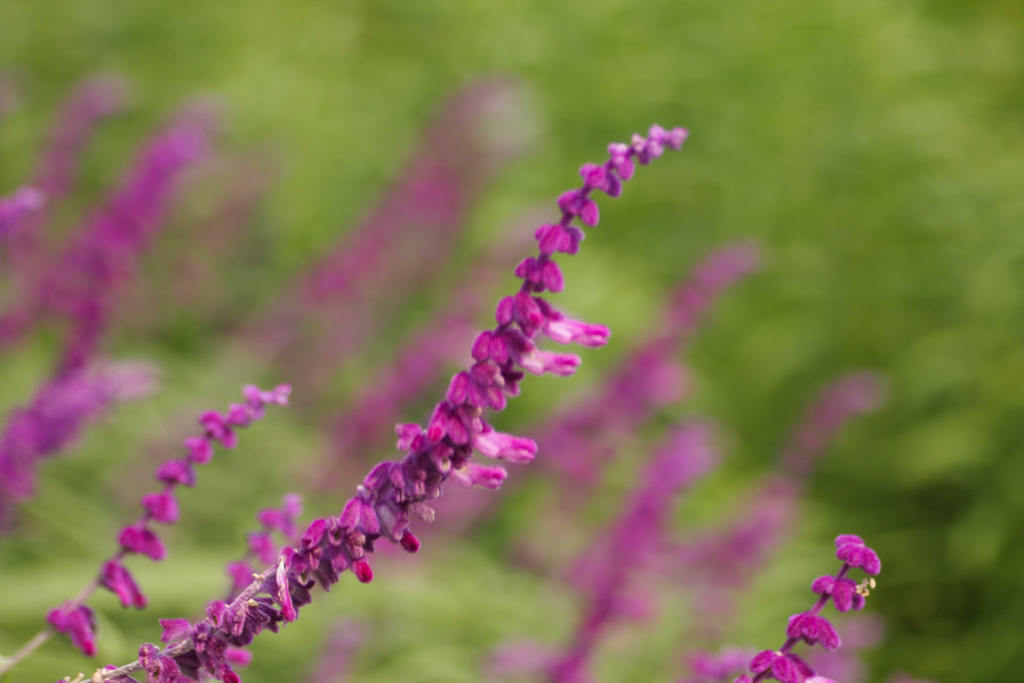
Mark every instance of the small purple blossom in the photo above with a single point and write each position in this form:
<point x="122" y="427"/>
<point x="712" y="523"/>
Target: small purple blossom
<point x="121" y="583"/>
<point x="851" y="549"/>
<point x="78" y="623"/>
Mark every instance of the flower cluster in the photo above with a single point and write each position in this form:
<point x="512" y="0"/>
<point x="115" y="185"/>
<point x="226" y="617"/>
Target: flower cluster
<point x="812" y="628"/>
<point x="395" y="492"/>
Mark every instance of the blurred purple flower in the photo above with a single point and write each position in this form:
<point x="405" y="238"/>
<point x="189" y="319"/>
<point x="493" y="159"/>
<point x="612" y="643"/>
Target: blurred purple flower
<point x="93" y="100"/>
<point x="336" y="307"/>
<point x="343" y="641"/>
<point x="850" y="396"/>
<point x="723" y="560"/>
<point x="582" y="438"/>
<point x="717" y="668"/>
<point x="83" y="282"/>
<point x="54" y="420"/>
<point x="606" y="570"/>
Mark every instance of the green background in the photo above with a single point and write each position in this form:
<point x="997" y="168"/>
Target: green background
<point x="875" y="149"/>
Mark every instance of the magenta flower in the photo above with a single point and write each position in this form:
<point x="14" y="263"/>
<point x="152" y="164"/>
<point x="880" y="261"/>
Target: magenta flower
<point x="78" y="623"/>
<point x="851" y="549"/>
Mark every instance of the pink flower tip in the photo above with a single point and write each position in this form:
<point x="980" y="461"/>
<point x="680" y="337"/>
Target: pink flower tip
<point x="852" y="550"/>
<point x="362" y="571"/>
<point x="409" y="542"/>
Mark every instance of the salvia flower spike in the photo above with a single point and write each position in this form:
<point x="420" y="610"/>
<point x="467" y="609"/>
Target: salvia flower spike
<point x="812" y="628"/>
<point x="74" y="618"/>
<point x="395" y="492"/>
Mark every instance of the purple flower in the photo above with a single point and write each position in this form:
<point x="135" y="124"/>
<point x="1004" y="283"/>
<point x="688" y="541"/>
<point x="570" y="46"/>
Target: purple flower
<point x="93" y="100"/>
<point x="162" y="507"/>
<point x="121" y="583"/>
<point x="78" y="622"/>
<point x="102" y="257"/>
<point x="711" y="668"/>
<point x="844" y="592"/>
<point x="138" y="539"/>
<point x="606" y="569"/>
<point x="843" y="399"/>
<point x="851" y="549"/>
<point x="813" y="628"/>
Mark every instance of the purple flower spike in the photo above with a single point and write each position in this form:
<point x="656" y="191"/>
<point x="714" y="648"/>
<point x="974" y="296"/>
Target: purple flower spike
<point x="394" y="493"/>
<point x="120" y="581"/>
<point x="810" y="626"/>
<point x="77" y="622"/>
<point x="851" y="549"/>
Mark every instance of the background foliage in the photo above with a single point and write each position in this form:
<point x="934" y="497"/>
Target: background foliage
<point x="875" y="149"/>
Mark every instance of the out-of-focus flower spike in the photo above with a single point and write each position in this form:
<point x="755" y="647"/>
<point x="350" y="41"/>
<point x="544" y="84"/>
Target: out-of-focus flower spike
<point x="89" y="103"/>
<point x="14" y="209"/>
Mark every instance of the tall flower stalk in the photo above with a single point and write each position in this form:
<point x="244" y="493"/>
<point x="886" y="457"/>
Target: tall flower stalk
<point x="395" y="492"/>
<point x="810" y="627"/>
